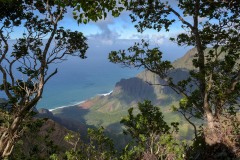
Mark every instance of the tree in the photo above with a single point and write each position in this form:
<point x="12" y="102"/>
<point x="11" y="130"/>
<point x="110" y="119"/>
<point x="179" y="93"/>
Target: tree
<point x="100" y="147"/>
<point x="154" y="138"/>
<point x="212" y="91"/>
<point x="25" y="63"/>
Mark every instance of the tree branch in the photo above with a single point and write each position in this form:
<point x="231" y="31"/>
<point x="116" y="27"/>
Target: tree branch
<point x="180" y="17"/>
<point x="188" y="120"/>
<point x="234" y="83"/>
<point x="5" y="47"/>
<point x="52" y="74"/>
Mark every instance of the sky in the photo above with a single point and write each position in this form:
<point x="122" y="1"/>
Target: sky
<point x="112" y="32"/>
<point x="105" y="36"/>
<point x="112" y="28"/>
<point x="119" y="31"/>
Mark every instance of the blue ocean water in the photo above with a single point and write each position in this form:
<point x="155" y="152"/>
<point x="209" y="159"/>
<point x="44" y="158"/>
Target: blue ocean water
<point x="78" y="80"/>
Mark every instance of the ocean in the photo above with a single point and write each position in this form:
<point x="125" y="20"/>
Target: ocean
<point x="80" y="79"/>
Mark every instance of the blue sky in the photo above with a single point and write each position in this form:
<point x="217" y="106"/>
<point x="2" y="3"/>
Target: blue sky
<point x="116" y="28"/>
<point x="103" y="36"/>
<point x="112" y="32"/>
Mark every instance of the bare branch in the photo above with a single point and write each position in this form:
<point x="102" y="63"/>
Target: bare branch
<point x="5" y="83"/>
<point x="11" y="72"/>
<point x="189" y="121"/>
<point x="180" y="17"/>
<point x="5" y="47"/>
<point x="52" y="74"/>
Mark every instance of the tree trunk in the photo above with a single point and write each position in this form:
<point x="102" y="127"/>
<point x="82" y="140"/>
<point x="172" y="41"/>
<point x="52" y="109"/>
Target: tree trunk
<point x="212" y="131"/>
<point x="220" y="131"/>
<point x="9" y="137"/>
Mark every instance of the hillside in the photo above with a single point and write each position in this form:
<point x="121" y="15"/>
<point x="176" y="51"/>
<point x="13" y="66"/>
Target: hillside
<point x="185" y="61"/>
<point x="42" y="138"/>
<point x="108" y="110"/>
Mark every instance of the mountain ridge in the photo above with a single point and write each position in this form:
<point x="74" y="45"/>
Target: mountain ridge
<point x="106" y="110"/>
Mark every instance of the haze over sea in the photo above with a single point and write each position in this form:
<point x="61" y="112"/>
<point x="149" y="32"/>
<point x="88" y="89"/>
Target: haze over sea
<point x="79" y="80"/>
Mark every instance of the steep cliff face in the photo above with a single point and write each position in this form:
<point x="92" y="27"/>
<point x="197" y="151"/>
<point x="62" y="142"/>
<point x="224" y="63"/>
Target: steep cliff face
<point x="127" y="93"/>
<point x="159" y="85"/>
<point x="145" y="86"/>
<point x="107" y="110"/>
<point x="186" y="60"/>
<point x="134" y="89"/>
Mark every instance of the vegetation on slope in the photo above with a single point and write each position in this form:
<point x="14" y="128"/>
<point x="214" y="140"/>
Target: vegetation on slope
<point x="210" y="92"/>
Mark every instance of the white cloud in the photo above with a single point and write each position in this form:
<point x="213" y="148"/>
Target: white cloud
<point x="155" y="39"/>
<point x="140" y="36"/>
<point x="158" y="39"/>
<point x="106" y="35"/>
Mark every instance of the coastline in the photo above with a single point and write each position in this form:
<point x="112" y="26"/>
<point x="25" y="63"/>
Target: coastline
<point x="81" y="102"/>
<point x="105" y="94"/>
<point x="78" y="103"/>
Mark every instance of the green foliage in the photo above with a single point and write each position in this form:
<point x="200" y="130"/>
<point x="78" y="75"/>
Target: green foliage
<point x="143" y="56"/>
<point x="68" y="137"/>
<point x="213" y="86"/>
<point x="32" y="144"/>
<point x="31" y="54"/>
<point x="11" y="12"/>
<point x="54" y="157"/>
<point x="148" y="121"/>
<point x="102" y="146"/>
<point x="216" y="69"/>
<point x="154" y="138"/>
<point x="31" y="51"/>
<point x="99" y="147"/>
<point x="91" y="10"/>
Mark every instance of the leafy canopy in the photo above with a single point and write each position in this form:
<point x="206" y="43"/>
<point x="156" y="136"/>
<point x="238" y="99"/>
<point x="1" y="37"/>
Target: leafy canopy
<point x="153" y="137"/>
<point x="25" y="64"/>
<point x="212" y="90"/>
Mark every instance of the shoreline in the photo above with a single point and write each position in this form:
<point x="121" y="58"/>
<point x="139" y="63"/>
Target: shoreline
<point x="78" y="103"/>
<point x="105" y="94"/>
<point x="81" y="102"/>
